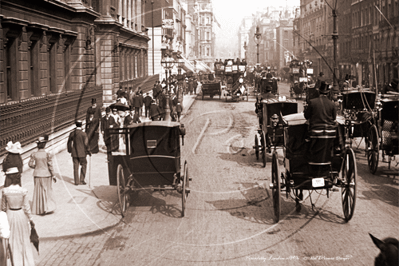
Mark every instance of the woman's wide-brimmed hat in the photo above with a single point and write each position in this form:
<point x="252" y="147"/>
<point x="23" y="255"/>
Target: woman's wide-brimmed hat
<point x="14" y="147"/>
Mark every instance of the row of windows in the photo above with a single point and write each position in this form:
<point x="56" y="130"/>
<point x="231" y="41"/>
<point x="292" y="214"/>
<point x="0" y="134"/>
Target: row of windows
<point x="132" y="64"/>
<point x="372" y="15"/>
<point x="58" y="66"/>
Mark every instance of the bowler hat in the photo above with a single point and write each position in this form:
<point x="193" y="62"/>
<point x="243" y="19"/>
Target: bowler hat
<point x="107" y="110"/>
<point x="14" y="147"/>
<point x="93" y="100"/>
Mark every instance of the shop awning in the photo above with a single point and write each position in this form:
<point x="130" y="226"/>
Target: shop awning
<point x="187" y="65"/>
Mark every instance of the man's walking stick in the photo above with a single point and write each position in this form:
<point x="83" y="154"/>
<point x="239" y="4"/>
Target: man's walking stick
<point x="90" y="173"/>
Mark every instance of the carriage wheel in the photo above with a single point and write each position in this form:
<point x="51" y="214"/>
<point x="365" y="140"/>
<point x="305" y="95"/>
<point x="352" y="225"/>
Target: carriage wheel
<point x="276" y="192"/>
<point x="123" y="194"/>
<point x="263" y="148"/>
<point x="372" y="149"/>
<point x="184" y="194"/>
<point x="348" y="189"/>
<point x="256" y="147"/>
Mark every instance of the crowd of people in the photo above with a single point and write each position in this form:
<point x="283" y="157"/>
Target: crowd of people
<point x="16" y="220"/>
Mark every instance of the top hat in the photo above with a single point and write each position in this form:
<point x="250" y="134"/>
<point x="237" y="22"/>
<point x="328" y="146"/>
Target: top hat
<point x="14" y="147"/>
<point x="107" y="110"/>
<point x="93" y="100"/>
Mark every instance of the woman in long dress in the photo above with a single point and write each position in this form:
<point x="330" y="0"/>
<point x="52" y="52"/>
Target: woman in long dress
<point x="43" y="199"/>
<point x="15" y="202"/>
<point x="13" y="159"/>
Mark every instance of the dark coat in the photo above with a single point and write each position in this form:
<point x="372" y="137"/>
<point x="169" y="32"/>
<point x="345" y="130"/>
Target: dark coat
<point x="147" y="101"/>
<point x="179" y="108"/>
<point x="96" y="111"/>
<point x="13" y="160"/>
<point x="154" y="110"/>
<point x="141" y="98"/>
<point x="92" y="131"/>
<point x="78" y="144"/>
<point x="137" y="102"/>
<point x="128" y="120"/>
<point x="320" y="112"/>
<point x="105" y="124"/>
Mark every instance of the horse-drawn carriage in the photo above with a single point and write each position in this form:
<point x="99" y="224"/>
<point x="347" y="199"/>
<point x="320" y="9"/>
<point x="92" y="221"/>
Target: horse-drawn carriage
<point x="383" y="135"/>
<point x="211" y="86"/>
<point x="267" y="110"/>
<point x="311" y="163"/>
<point x="150" y="159"/>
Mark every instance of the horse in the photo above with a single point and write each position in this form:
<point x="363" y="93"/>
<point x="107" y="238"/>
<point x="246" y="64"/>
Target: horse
<point x="389" y="255"/>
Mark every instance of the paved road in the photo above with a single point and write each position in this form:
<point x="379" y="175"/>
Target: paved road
<point x="229" y="216"/>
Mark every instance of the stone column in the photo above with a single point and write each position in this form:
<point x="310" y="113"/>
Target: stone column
<point x="23" y="75"/>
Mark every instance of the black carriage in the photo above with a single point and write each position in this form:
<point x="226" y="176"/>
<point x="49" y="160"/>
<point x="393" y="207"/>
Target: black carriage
<point x="268" y="110"/>
<point x="311" y="163"/>
<point x="211" y="86"/>
<point x="149" y="159"/>
<point x="383" y="135"/>
<point x="358" y="108"/>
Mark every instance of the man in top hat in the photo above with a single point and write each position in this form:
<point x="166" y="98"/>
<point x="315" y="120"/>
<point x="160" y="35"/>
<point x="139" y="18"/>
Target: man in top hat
<point x="129" y="118"/>
<point x="321" y="111"/>
<point x="93" y="109"/>
<point x="78" y="147"/>
<point x="92" y="132"/>
<point x="111" y="142"/>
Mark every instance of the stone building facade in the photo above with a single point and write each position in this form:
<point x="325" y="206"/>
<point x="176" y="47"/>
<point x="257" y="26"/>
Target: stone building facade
<point x="56" y="55"/>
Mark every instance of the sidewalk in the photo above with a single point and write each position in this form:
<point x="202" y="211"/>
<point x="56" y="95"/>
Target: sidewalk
<point x="81" y="209"/>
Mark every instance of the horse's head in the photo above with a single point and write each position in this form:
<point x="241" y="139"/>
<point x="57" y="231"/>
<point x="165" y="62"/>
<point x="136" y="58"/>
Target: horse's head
<point x="389" y="255"/>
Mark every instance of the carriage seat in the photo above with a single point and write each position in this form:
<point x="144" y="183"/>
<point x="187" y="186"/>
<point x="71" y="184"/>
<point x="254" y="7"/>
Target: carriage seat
<point x="321" y="144"/>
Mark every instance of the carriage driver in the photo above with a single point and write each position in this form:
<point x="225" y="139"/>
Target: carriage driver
<point x="321" y="112"/>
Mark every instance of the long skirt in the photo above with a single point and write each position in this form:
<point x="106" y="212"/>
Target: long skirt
<point x="93" y="143"/>
<point x="43" y="198"/>
<point x="20" y="244"/>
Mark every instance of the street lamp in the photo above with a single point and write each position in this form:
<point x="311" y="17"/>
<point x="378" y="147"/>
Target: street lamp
<point x="257" y="37"/>
<point x="245" y="49"/>
<point x="167" y="62"/>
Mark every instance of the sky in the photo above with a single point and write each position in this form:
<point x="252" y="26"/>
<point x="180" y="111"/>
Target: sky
<point x="229" y="14"/>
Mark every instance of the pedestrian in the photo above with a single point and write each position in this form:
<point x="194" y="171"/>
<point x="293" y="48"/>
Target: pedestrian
<point x="195" y="85"/>
<point x="154" y="111"/>
<point x="111" y="142"/>
<point x="136" y="118"/>
<point x="147" y="104"/>
<point x="136" y="103"/>
<point x="120" y="93"/>
<point x="141" y="98"/>
<point x="43" y="199"/>
<point x="92" y="132"/>
<point x="129" y="118"/>
<point x="93" y="109"/>
<point x="116" y="116"/>
<point x="179" y="110"/>
<point x="4" y="236"/>
<point x="15" y="202"/>
<point x="12" y="159"/>
<point x="78" y="147"/>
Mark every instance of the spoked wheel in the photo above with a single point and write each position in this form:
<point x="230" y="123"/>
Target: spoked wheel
<point x="372" y="149"/>
<point x="256" y="147"/>
<point x="184" y="193"/>
<point x="276" y="192"/>
<point x="263" y="143"/>
<point x="297" y="203"/>
<point x="123" y="194"/>
<point x="348" y="188"/>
